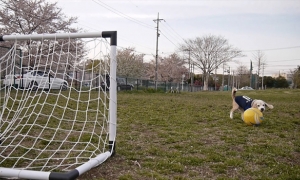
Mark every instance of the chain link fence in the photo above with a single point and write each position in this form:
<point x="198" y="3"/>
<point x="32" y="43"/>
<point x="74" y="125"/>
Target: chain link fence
<point x="142" y="84"/>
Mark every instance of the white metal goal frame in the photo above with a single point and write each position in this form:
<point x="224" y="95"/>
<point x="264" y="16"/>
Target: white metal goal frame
<point x="6" y="172"/>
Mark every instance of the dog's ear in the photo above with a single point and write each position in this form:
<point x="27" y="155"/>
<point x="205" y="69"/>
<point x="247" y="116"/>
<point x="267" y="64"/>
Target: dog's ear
<point x="269" y="105"/>
<point x="253" y="104"/>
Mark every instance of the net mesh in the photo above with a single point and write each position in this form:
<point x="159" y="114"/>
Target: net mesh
<point x="53" y="103"/>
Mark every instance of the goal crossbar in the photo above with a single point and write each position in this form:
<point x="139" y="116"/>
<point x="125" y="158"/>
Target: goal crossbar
<point x="104" y="34"/>
<point x="112" y="114"/>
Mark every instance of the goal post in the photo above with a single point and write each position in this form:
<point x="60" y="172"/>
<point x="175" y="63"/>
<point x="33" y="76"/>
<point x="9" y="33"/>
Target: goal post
<point x="61" y="122"/>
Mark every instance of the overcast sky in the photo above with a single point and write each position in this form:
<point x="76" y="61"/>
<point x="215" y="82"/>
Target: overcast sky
<point x="272" y="26"/>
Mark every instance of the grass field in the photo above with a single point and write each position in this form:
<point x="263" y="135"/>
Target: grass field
<point x="190" y="136"/>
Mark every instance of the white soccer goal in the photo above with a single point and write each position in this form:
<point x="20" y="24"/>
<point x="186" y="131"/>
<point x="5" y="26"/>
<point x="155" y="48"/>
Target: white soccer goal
<point x="58" y="104"/>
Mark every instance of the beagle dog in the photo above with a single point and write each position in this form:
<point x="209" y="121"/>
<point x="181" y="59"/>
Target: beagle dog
<point x="243" y="103"/>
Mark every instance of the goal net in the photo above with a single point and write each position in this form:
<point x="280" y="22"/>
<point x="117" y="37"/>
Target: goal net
<point x="58" y="104"/>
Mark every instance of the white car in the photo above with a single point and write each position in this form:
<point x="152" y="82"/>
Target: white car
<point x="34" y="80"/>
<point x="246" y="88"/>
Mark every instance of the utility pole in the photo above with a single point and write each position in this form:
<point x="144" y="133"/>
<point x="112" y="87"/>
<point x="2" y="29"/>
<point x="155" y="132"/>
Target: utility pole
<point x="192" y="76"/>
<point x="190" y="66"/>
<point x="228" y="83"/>
<point x="216" y="67"/>
<point x="256" y="80"/>
<point x="258" y="72"/>
<point x="223" y="79"/>
<point x="262" y="76"/>
<point x="156" y="56"/>
<point x="251" y="68"/>
<point x="233" y="85"/>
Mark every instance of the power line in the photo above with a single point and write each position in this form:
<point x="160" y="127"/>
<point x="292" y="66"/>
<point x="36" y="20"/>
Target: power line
<point x="168" y="39"/>
<point x="125" y="16"/>
<point x="279" y="65"/>
<point x="274" y="49"/>
<point x="134" y="20"/>
<point x="140" y="45"/>
<point x="170" y="32"/>
<point x="122" y="14"/>
<point x="285" y="60"/>
<point x="174" y="31"/>
<point x="168" y="36"/>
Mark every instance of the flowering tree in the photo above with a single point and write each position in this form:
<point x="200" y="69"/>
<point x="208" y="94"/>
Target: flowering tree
<point x="36" y="17"/>
<point x="130" y="64"/>
<point x="170" y="68"/>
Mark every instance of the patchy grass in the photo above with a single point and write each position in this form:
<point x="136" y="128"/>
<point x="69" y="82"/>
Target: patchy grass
<point x="47" y="131"/>
<point x="190" y="136"/>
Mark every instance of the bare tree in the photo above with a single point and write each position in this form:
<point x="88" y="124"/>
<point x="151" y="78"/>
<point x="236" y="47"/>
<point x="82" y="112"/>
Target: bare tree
<point x="130" y="64"/>
<point x="295" y="75"/>
<point x="36" y="16"/>
<point x="260" y="59"/>
<point x="209" y="52"/>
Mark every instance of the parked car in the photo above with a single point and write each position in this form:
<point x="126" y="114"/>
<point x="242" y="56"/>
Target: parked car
<point x="246" y="88"/>
<point x="34" y="80"/>
<point x="121" y="84"/>
<point x="87" y="84"/>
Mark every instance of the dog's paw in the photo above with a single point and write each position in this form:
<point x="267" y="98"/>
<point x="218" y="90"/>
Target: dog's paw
<point x="270" y="106"/>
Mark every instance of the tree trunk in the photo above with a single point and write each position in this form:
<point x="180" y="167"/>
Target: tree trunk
<point x="205" y="87"/>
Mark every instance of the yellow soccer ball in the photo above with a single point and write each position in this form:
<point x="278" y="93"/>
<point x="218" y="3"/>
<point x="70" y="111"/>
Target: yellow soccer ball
<point x="253" y="116"/>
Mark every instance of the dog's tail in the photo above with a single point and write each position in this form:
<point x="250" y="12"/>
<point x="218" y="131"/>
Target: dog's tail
<point x="233" y="92"/>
